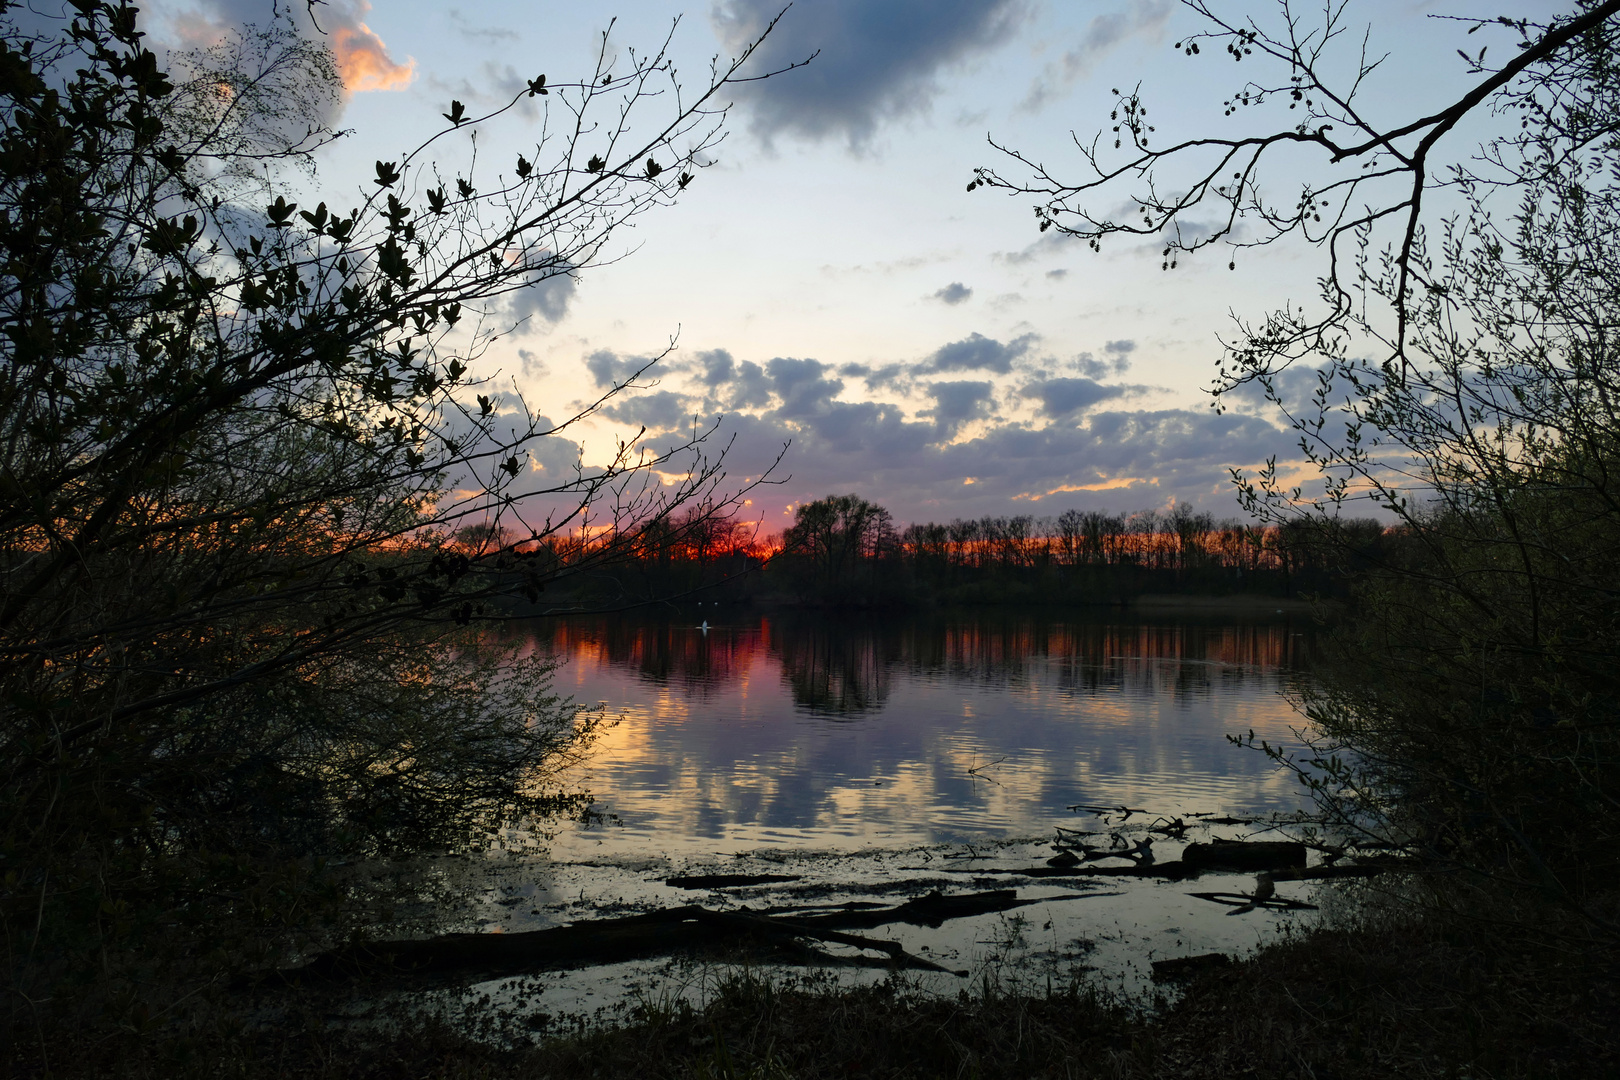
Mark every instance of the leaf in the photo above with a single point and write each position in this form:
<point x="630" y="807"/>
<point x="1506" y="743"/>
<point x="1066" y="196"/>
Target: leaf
<point x="596" y="164"/>
<point x="463" y="188"/>
<point x="685" y="178"/>
<point x="524" y="168"/>
<point x="538" y="86"/>
<point x="387" y="174"/>
<point x="457" y="114"/>
<point x="653" y="169"/>
<point x="280" y="212"/>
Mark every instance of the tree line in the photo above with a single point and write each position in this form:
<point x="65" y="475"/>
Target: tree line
<point x="847" y="550"/>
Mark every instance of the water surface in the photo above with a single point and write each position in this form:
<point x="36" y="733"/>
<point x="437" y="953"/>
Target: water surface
<point x="877" y="759"/>
<point x="839" y="733"/>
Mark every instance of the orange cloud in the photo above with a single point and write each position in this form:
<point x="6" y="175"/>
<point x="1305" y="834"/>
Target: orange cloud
<point x="1106" y="485"/>
<point x="364" y="63"/>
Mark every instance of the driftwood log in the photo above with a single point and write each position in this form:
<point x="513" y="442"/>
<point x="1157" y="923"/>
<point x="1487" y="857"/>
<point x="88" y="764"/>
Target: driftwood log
<point x="1188" y="967"/>
<point x="726" y="881"/>
<point x="1245" y="855"/>
<point x="687" y="928"/>
<point x="1284" y="860"/>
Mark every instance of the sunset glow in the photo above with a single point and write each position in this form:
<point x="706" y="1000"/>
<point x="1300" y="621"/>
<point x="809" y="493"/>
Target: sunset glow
<point x="364" y="63"/>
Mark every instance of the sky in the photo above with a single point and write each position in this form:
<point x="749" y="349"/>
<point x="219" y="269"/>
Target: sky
<point x="830" y="284"/>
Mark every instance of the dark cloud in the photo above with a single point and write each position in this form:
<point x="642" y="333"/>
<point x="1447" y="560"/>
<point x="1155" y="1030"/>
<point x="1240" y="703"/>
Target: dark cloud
<point x="1115" y="460"/>
<point x="750" y="387"/>
<point x="1058" y="275"/>
<point x="661" y="411"/>
<point x="888" y="376"/>
<point x="1123" y="347"/>
<point x="717" y="366"/>
<point x="1063" y="397"/>
<point x="954" y="293"/>
<point x="546" y="299"/>
<point x="878" y="58"/>
<point x="1082" y="457"/>
<point x="801" y="386"/>
<point x="610" y="369"/>
<point x="1093" y="368"/>
<point x="958" y="403"/>
<point x="979" y="353"/>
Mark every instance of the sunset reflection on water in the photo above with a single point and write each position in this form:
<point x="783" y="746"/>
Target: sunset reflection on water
<point x="838" y="733"/>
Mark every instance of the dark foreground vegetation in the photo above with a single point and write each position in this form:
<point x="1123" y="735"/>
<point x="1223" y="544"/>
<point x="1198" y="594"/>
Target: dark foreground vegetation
<point x="238" y="625"/>
<point x="1392" y="999"/>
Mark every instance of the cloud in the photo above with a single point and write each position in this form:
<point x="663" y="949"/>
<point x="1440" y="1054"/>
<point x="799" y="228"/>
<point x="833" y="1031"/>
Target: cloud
<point x="954" y="293"/>
<point x="878" y="59"/>
<point x="487" y="35"/>
<point x="362" y="57"/>
<point x="1062" y="397"/>
<point x="977" y="352"/>
<point x="717" y="366"/>
<point x="546" y="298"/>
<point x="1120" y="460"/>
<point x="1101" y="35"/>
<point x="533" y="366"/>
<point x="958" y="403"/>
<point x="661" y="411"/>
<point x="887" y="376"/>
<point x="610" y="369"/>
<point x="751" y="387"/>
<point x="1044" y="246"/>
<point x="801" y="386"/>
<point x="1072" y="454"/>
<point x="1093" y="368"/>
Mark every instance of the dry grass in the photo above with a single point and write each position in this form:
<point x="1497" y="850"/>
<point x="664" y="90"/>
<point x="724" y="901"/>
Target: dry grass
<point x="1410" y="1002"/>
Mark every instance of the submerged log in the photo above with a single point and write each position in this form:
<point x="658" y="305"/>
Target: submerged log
<point x="1241" y="902"/>
<point x="1245" y="855"/>
<point x="1170" y="871"/>
<point x="655" y="933"/>
<point x="726" y="881"/>
<point x="1186" y="967"/>
<point x="1179" y="869"/>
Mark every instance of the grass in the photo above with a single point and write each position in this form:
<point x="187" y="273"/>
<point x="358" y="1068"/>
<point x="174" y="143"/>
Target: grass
<point x="1409" y="999"/>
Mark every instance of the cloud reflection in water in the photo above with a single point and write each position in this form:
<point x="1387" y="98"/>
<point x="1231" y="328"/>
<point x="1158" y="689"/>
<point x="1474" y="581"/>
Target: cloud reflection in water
<point x="823" y="732"/>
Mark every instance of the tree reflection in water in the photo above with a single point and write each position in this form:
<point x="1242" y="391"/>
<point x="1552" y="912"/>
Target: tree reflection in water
<point x="808" y="728"/>
<point x="843" y="665"/>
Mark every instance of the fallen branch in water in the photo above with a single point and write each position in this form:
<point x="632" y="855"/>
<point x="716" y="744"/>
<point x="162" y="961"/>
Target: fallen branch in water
<point x="656" y="933"/>
<point x="1241" y="902"/>
<point x="726" y="881"/>
<point x="1178" y="870"/>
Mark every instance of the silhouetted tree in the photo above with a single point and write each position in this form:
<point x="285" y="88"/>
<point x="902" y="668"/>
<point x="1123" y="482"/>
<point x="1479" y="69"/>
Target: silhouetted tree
<point x="1466" y="384"/>
<point x="241" y="446"/>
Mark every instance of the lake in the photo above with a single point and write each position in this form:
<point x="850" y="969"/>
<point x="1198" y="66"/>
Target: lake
<point x="802" y="730"/>
<point x="887" y="756"/>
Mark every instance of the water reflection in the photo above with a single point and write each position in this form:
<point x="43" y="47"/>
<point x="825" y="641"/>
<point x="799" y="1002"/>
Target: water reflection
<point x="838" y="732"/>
